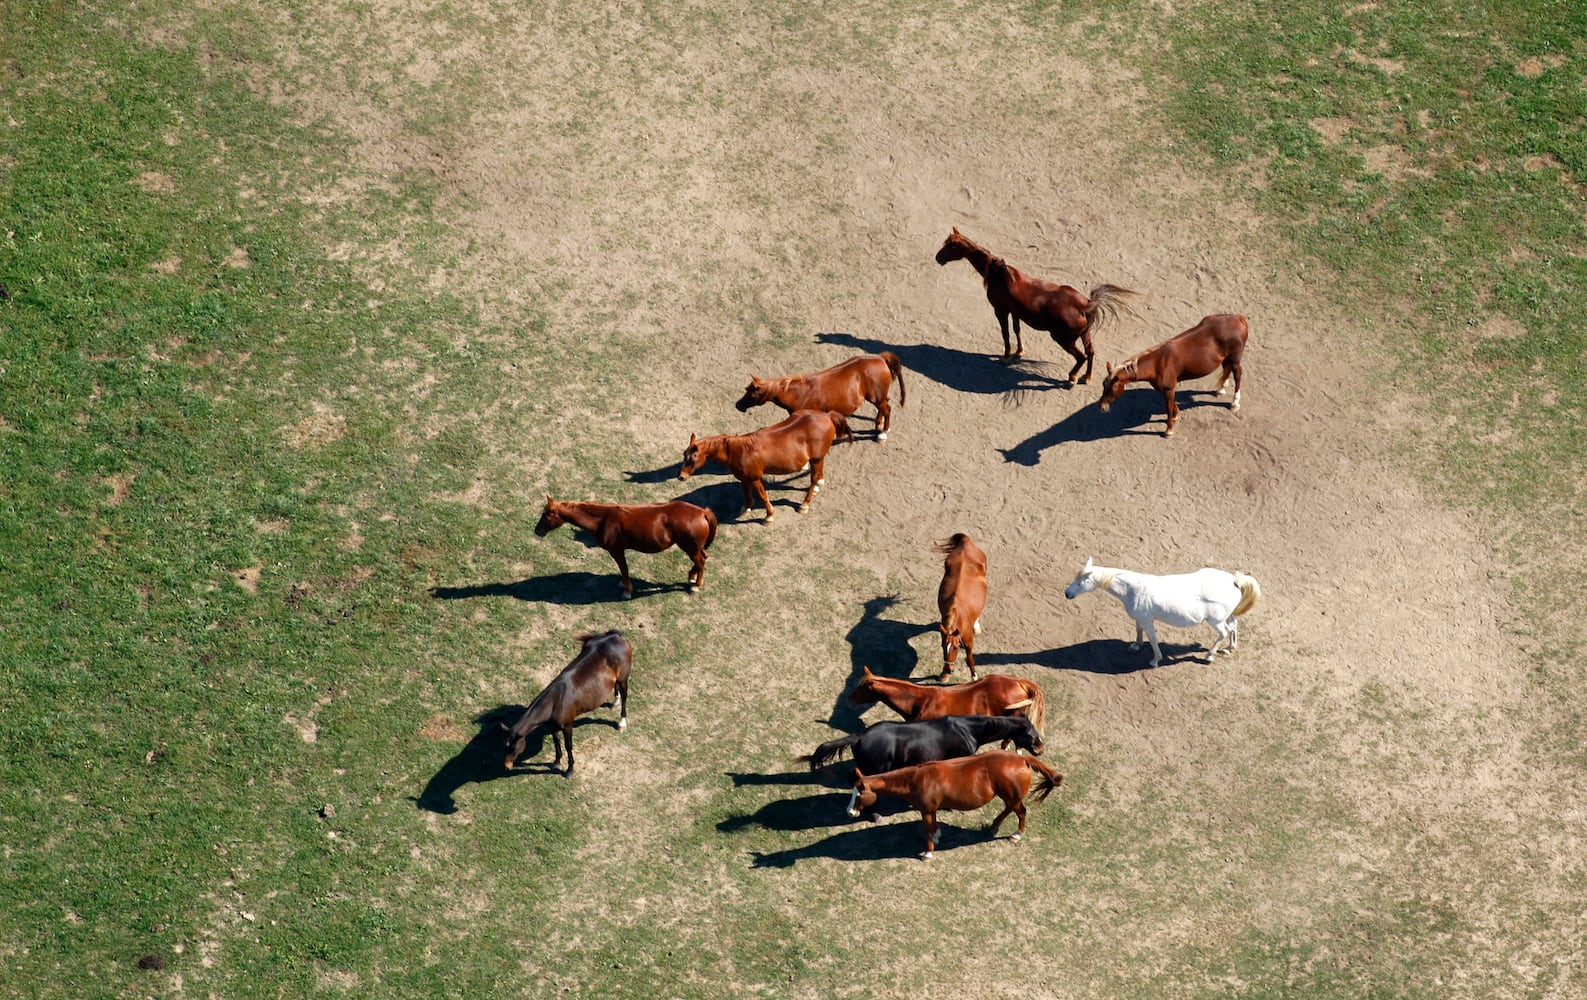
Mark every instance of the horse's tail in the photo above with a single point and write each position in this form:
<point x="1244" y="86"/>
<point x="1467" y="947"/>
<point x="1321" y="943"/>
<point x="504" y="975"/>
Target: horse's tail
<point x="710" y="528"/>
<point x="1250" y="593"/>
<point x="830" y="750"/>
<point x="1037" y="712"/>
<point x="841" y="424"/>
<point x="1049" y="780"/>
<point x="1106" y="301"/>
<point x="958" y="539"/>
<point x="897" y="368"/>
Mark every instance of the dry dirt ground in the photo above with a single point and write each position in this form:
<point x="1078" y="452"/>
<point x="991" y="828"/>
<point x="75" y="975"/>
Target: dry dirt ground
<point x="723" y="188"/>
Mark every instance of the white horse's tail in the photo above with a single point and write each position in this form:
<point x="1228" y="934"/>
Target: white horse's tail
<point x="1250" y="593"/>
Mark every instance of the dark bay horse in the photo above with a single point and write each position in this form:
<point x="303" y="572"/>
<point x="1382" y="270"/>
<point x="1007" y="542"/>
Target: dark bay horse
<point x="597" y="677"/>
<point x="889" y="745"/>
<point x="1218" y="341"/>
<point x="960" y="599"/>
<point x="650" y="527"/>
<point x="994" y="694"/>
<point x="961" y="784"/>
<point x="841" y="388"/>
<point x="1071" y="318"/>
<point x="781" y="449"/>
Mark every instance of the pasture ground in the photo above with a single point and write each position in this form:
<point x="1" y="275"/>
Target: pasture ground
<point x="311" y="306"/>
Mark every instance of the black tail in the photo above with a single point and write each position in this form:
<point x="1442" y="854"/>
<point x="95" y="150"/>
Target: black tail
<point x="830" y="750"/>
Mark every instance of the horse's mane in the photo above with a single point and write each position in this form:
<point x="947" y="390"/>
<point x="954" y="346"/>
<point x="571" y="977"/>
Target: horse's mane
<point x="958" y="540"/>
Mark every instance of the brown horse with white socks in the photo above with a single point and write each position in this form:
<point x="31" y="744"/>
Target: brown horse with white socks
<point x="782" y="449"/>
<point x="1216" y="342"/>
<point x="650" y="527"/>
<point x="961" y="597"/>
<point x="841" y="389"/>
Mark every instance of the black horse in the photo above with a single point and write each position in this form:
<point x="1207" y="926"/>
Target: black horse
<point x="889" y="745"/>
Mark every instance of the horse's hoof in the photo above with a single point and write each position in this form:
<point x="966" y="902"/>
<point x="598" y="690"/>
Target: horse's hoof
<point x="816" y="488"/>
<point x="1168" y="433"/>
<point x="804" y="508"/>
<point x="855" y="813"/>
<point x="882" y="436"/>
<point x="1134" y="646"/>
<point x="927" y="856"/>
<point x="628" y="595"/>
<point x="1016" y="837"/>
<point x="1154" y="663"/>
<point x="622" y="724"/>
<point x="694" y="588"/>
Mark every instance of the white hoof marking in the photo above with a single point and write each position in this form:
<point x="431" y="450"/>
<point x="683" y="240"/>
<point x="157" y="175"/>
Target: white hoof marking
<point x="622" y="724"/>
<point x="927" y="856"/>
<point x="1016" y="837"/>
<point x="881" y="437"/>
<point x="976" y="628"/>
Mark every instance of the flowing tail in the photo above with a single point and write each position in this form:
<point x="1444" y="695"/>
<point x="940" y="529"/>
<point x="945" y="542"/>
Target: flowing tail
<point x="897" y="368"/>
<point x="1106" y="301"/>
<point x="830" y="750"/>
<point x="1250" y="593"/>
<point x="839" y="421"/>
<point x="1034" y="703"/>
<point x="958" y="539"/>
<point x="1049" y="780"/>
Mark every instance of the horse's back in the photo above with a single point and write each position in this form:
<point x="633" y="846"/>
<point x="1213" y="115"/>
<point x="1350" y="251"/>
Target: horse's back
<point x="1217" y="340"/>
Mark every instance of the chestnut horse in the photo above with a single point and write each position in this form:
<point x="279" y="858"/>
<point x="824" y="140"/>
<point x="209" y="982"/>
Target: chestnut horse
<point x="960" y="600"/>
<point x="597" y="677"/>
<point x="1217" y="341"/>
<point x="787" y="447"/>
<point x="841" y="388"/>
<point x="994" y="694"/>
<point x="1071" y="318"/>
<point x="650" y="527"/>
<point x="961" y="784"/>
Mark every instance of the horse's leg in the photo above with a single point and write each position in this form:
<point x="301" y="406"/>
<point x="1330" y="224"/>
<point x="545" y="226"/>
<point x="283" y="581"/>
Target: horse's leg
<point x="1173" y="409"/>
<point x="622" y="717"/>
<point x="765" y="501"/>
<point x="1019" y="340"/>
<point x="556" y="742"/>
<point x="884" y="418"/>
<point x="817" y="473"/>
<point x="697" y="575"/>
<point x="1002" y="323"/>
<point x="1075" y="352"/>
<point x="1234" y="634"/>
<point x="567" y="734"/>
<point x="969" y="653"/>
<point x="1222" y="629"/>
<point x="1151" y="634"/>
<point x="1237" y="373"/>
<point x="931" y="833"/>
<point x="749" y="495"/>
<point x="1091" y="355"/>
<point x="1007" y="808"/>
<point x="622" y="565"/>
<point x="1139" y="635"/>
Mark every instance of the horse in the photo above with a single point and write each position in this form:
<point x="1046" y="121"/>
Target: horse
<point x="1071" y="318"/>
<point x="962" y="784"/>
<point x="650" y="527"/>
<point x="994" y="694"/>
<point x="786" y="447"/>
<point x="961" y="598"/>
<point x="596" y="678"/>
<point x="1184" y="600"/>
<point x="889" y="745"/>
<point x="1217" y="341"/>
<point x="841" y="388"/>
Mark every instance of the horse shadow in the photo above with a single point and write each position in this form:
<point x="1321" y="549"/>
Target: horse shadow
<point x="1131" y="413"/>
<point x="571" y="588"/>
<point x="1111" y="657"/>
<point x="964" y="371"/>
<point x="750" y="778"/>
<point x="871" y="842"/>
<point x="726" y="499"/>
<point x="882" y="644"/>
<point x="480" y="760"/>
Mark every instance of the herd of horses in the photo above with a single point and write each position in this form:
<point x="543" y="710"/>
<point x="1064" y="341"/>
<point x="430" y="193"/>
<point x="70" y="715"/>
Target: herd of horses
<point x="930" y="758"/>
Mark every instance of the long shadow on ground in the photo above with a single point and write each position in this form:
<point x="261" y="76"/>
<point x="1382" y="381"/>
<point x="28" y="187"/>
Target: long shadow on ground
<point x="1135" y="412"/>
<point x="573" y="588"/>
<point x="964" y="371"/>
<point x="1098" y="656"/>
<point x="726" y="499"/>
<point x="881" y="644"/>
<point x="480" y="760"/>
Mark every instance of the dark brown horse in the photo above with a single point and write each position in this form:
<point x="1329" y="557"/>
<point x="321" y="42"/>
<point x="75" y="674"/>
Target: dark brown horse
<point x="961" y="784"/>
<point x="960" y="600"/>
<point x="650" y="527"/>
<point x="1216" y="342"/>
<point x="994" y="694"/>
<point x="1071" y="318"/>
<point x="781" y="449"/>
<point x="841" y="388"/>
<point x="597" y="677"/>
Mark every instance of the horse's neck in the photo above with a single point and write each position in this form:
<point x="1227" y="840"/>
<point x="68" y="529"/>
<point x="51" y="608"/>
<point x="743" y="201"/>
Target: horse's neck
<point x="981" y="259"/>
<point x="714" y="448"/>
<point x="784" y="391"/>
<point x="993" y="728"/>
<point x="901" y="695"/>
<point x="586" y="516"/>
<point x="1117" y="582"/>
<point x="890" y="782"/>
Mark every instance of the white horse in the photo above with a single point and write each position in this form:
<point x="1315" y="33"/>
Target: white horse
<point x="1184" y="600"/>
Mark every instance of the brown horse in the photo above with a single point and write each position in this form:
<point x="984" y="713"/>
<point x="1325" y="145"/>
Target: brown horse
<point x="994" y="694"/>
<point x="961" y="784"/>
<point x="650" y="527"/>
<point x="1217" y="341"/>
<point x="841" y="388"/>
<point x="597" y="677"/>
<point x="783" y="448"/>
<point x="1071" y="318"/>
<point x="960" y="599"/>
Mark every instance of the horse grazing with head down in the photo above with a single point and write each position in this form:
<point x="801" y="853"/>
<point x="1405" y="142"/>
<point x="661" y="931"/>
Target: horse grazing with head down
<point x="841" y="388"/>
<point x="889" y="745"/>
<point x="994" y="694"/>
<point x="961" y="597"/>
<point x="597" y="677"/>
<point x="1216" y="342"/>
<point x="1070" y="317"/>
<point x="651" y="527"/>
<point x="961" y="784"/>
<point x="781" y="449"/>
<point x="1214" y="596"/>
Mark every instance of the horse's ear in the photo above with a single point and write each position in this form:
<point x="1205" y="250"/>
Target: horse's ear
<point x="955" y="230"/>
<point x="1088" y="562"/>
<point x="548" y="498"/>
<point x="867" y="670"/>
<point x="1109" y="365"/>
<point x="691" y="439"/>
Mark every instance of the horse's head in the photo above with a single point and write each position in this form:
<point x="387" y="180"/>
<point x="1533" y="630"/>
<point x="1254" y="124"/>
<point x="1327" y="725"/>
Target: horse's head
<point x="865" y="692"/>
<point x="1085" y="581"/>
<point x="515" y="743"/>
<point x="952" y="642"/>
<point x="551" y="518"/>
<point x="863" y="797"/>
<point x="693" y="458"/>
<point x="1026" y="737"/>
<point x="1114" y="382"/>
<point x="756" y="393"/>
<point x="953" y="248"/>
